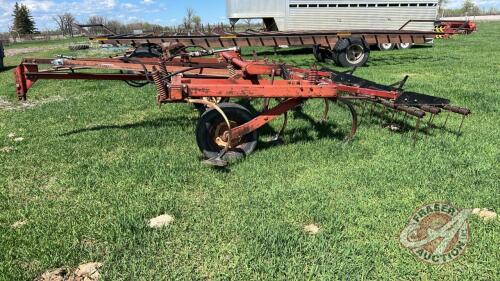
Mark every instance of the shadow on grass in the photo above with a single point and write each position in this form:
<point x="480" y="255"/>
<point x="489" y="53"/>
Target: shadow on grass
<point x="156" y="123"/>
<point x="406" y="58"/>
<point x="406" y="124"/>
<point x="323" y="129"/>
<point x="285" y="52"/>
<point x="7" y="68"/>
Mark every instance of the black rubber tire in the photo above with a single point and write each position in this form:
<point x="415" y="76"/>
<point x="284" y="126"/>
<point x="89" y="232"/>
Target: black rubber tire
<point x="151" y="51"/>
<point x="209" y="121"/>
<point x="343" y="48"/>
<point x="335" y="58"/>
<point x="405" y="46"/>
<point x="79" y="47"/>
<point x="318" y="54"/>
<point x="384" y="47"/>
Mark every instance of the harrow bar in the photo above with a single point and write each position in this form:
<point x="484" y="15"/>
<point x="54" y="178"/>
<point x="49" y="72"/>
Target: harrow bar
<point x="208" y="80"/>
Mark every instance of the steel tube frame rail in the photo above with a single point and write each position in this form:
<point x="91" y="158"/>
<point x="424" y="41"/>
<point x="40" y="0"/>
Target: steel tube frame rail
<point x="271" y="39"/>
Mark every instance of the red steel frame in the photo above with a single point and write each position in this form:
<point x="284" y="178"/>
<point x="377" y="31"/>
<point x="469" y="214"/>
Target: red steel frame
<point x="226" y="76"/>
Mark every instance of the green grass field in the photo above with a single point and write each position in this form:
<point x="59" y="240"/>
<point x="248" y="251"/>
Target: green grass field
<point x="99" y="159"/>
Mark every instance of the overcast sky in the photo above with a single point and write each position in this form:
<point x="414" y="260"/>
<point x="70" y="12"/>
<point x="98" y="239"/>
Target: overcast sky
<point x="164" y="12"/>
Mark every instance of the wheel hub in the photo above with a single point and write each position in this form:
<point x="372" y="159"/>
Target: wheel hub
<point x="386" y="45"/>
<point x="355" y="54"/>
<point x="221" y="135"/>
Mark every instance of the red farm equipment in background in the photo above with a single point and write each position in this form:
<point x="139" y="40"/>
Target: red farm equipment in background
<point x="454" y="27"/>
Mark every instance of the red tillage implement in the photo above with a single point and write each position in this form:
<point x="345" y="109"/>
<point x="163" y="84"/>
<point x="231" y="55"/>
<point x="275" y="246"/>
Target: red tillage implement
<point x="454" y="27"/>
<point x="228" y="130"/>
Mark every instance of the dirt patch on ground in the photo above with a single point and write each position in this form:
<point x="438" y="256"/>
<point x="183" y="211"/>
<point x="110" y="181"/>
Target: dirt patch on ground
<point x="19" y="224"/>
<point x="161" y="221"/>
<point x="17" y="105"/>
<point x="84" y="272"/>
<point x="6" y="149"/>
<point x="485" y="214"/>
<point x="312" y="229"/>
<point x="19" y="51"/>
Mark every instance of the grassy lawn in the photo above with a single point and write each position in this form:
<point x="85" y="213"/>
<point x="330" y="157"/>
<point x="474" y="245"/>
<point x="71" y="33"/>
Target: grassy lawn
<point x="45" y="43"/>
<point x="99" y="159"/>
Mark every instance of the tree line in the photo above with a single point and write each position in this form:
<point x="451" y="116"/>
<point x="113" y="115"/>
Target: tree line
<point x="468" y="8"/>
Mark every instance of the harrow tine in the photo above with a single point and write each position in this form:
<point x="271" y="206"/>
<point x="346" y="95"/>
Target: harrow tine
<point x="381" y="114"/>
<point x="326" y="111"/>
<point x="384" y="111"/>
<point x="363" y="113"/>
<point x="394" y="124"/>
<point x="371" y="113"/>
<point x="430" y="124"/>
<point x="415" y="135"/>
<point x="277" y="137"/>
<point x="404" y="125"/>
<point x="446" y="121"/>
<point x="459" y="132"/>
<point x="265" y="104"/>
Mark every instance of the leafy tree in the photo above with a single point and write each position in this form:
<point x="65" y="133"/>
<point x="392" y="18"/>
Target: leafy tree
<point x="96" y="20"/>
<point x="197" y="23"/>
<point x="23" y="21"/>
<point x="65" y="23"/>
<point x="188" y="19"/>
<point x="441" y="4"/>
<point x="470" y="8"/>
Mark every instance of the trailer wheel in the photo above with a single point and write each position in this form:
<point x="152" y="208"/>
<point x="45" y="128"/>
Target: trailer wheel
<point x="404" y="46"/>
<point x="318" y="54"/>
<point x="385" y="46"/>
<point x="352" y="52"/>
<point x="211" y="127"/>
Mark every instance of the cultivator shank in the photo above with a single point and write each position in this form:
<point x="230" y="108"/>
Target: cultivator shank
<point x="228" y="130"/>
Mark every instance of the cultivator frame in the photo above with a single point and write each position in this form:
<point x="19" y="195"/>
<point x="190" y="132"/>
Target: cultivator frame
<point x="228" y="130"/>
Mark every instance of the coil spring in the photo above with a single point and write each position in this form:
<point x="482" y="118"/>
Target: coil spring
<point x="163" y="68"/>
<point x="313" y="76"/>
<point x="160" y="86"/>
<point x="232" y="71"/>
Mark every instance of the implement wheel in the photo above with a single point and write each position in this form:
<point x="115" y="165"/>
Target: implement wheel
<point x="352" y="52"/>
<point x="212" y="126"/>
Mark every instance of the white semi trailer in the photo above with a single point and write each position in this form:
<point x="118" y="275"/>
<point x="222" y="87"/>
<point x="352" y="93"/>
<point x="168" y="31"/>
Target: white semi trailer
<point x="307" y="15"/>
